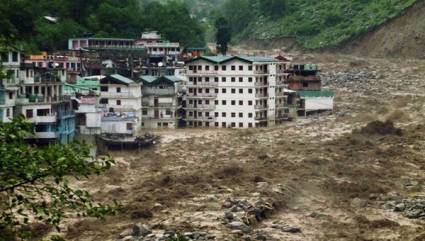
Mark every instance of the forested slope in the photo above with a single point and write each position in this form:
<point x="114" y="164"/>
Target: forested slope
<point x="24" y="21"/>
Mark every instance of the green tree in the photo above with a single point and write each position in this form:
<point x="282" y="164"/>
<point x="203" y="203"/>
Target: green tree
<point x="223" y="35"/>
<point x="238" y="13"/>
<point x="273" y="8"/>
<point x="34" y="181"/>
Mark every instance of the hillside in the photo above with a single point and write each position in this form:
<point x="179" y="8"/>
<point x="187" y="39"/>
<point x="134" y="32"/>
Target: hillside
<point x="403" y="36"/>
<point x="314" y="24"/>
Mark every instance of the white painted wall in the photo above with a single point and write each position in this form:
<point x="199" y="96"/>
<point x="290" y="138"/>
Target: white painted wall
<point x="319" y="103"/>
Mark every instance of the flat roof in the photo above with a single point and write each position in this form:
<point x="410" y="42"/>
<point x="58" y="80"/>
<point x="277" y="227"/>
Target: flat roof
<point x="320" y="93"/>
<point x="219" y="59"/>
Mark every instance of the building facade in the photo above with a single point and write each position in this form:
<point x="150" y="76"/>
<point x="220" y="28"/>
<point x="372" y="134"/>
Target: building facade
<point x="162" y="101"/>
<point x="236" y="92"/>
<point x="121" y="102"/>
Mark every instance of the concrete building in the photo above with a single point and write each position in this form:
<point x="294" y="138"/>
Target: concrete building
<point x="304" y="79"/>
<point x="41" y="100"/>
<point x="156" y="47"/>
<point x="162" y="101"/>
<point x="88" y="115"/>
<point x="121" y="101"/>
<point x="236" y="91"/>
<point x="9" y="87"/>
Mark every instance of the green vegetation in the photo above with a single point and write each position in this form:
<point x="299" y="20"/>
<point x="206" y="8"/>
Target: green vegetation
<point x="315" y="24"/>
<point x="25" y="20"/>
<point x="223" y="35"/>
<point x="34" y="182"/>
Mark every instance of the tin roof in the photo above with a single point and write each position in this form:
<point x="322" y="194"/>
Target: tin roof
<point x="222" y="59"/>
<point x="320" y="93"/>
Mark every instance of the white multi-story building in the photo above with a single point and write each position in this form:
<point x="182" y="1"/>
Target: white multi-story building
<point x="236" y="91"/>
<point x="121" y="100"/>
<point x="162" y="101"/>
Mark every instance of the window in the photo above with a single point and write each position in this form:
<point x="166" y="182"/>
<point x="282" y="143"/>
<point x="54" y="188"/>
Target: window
<point x="250" y="67"/>
<point x="216" y="91"/>
<point x="240" y="125"/>
<point x="223" y="124"/>
<point x="223" y="114"/>
<point x="29" y="113"/>
<point x="190" y="67"/>
<point x="250" y="91"/>
<point x="10" y="96"/>
<point x="249" y="102"/>
<point x="216" y="79"/>
<point x="223" y="102"/>
<point x="250" y="125"/>
<point x="233" y="114"/>
<point x="216" y="67"/>
<point x="250" y="115"/>
<point x="145" y="112"/>
<point x="241" y="102"/>
<point x="104" y="101"/>
<point x="240" y="79"/>
<point x="223" y="79"/>
<point x="250" y="79"/>
<point x="118" y="90"/>
<point x="190" y="102"/>
<point x="104" y="88"/>
<point x="233" y="79"/>
<point x="207" y="102"/>
<point x="129" y="126"/>
<point x="200" y="91"/>
<point x="216" y="114"/>
<point x="216" y="102"/>
<point x="216" y="124"/>
<point x="207" y="79"/>
<point x="118" y="102"/>
<point x="223" y="90"/>
<point x="233" y="124"/>
<point x="305" y="85"/>
<point x="233" y="67"/>
<point x="14" y="56"/>
<point x="207" y="91"/>
<point x="240" y="115"/>
<point x="8" y="112"/>
<point x="207" y="67"/>
<point x="199" y="67"/>
<point x="233" y="102"/>
<point x="207" y="114"/>
<point x="233" y="91"/>
<point x="168" y="112"/>
<point x="200" y="102"/>
<point x="240" y="67"/>
<point x="223" y="67"/>
<point x="240" y="91"/>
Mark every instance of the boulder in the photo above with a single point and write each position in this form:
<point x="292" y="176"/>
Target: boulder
<point x="239" y="226"/>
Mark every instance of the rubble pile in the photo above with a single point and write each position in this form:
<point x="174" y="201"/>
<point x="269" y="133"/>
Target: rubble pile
<point x="413" y="208"/>
<point x="353" y="79"/>
<point x="140" y="232"/>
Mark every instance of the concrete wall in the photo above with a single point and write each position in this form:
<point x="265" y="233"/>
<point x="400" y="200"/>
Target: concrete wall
<point x="318" y="103"/>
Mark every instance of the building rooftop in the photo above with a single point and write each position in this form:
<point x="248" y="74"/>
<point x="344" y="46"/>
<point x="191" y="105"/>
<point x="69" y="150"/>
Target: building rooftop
<point x="320" y="93"/>
<point x="118" y="79"/>
<point x="219" y="59"/>
<point x="150" y="79"/>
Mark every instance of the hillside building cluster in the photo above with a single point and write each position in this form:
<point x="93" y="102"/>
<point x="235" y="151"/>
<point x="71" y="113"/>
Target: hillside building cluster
<point x="102" y="86"/>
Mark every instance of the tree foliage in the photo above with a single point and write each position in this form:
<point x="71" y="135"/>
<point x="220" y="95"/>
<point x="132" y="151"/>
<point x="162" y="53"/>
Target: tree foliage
<point x="24" y="20"/>
<point x="223" y="35"/>
<point x="34" y="181"/>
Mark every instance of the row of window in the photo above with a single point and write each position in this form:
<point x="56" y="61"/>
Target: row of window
<point x="223" y="124"/>
<point x="224" y="67"/>
<point x="223" y="114"/>
<point x="232" y="79"/>
<point x="5" y="57"/>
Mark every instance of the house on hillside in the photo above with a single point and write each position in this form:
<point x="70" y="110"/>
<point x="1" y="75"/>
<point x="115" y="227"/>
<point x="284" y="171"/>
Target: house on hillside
<point x="162" y="101"/>
<point x="9" y="87"/>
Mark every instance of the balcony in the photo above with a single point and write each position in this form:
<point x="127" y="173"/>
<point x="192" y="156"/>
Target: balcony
<point x="260" y="118"/>
<point x="202" y="96"/>
<point x="260" y="84"/>
<point x="43" y="119"/>
<point x="158" y="106"/>
<point x="260" y="72"/>
<point x="201" y="107"/>
<point x="45" y="135"/>
<point x="201" y="73"/>
<point x="261" y="96"/>
<point x="203" y="84"/>
<point x="200" y="118"/>
<point x="164" y="118"/>
<point x="260" y="107"/>
<point x="122" y="95"/>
